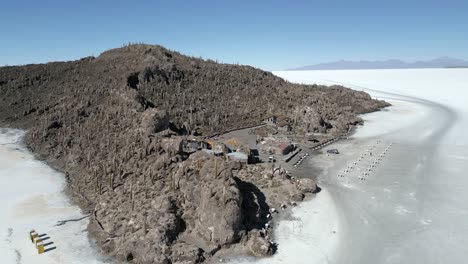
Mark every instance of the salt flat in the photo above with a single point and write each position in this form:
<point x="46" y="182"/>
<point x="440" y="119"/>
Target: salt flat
<point x="32" y="197"/>
<point x="412" y="207"/>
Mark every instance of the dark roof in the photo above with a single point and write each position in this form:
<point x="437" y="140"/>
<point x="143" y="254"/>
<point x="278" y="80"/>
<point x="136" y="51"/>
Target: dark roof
<point x="283" y="123"/>
<point x="254" y="152"/>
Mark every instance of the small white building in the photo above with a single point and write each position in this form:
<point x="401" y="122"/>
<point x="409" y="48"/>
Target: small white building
<point x="239" y="156"/>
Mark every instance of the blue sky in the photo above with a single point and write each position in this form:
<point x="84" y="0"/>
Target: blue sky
<point x="267" y="34"/>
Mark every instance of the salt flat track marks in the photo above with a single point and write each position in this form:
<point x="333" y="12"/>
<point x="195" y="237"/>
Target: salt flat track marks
<point x="9" y="233"/>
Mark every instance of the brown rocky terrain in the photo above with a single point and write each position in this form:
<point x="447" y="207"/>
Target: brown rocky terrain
<point x="112" y="125"/>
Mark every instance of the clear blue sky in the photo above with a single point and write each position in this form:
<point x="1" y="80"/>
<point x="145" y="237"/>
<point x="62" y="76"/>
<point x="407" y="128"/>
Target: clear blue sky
<point x="274" y="34"/>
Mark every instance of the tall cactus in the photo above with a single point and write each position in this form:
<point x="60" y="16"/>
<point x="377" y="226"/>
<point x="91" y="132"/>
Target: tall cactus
<point x="132" y="196"/>
<point x="146" y="190"/>
<point x="97" y="185"/>
<point x="111" y="182"/>
<point x="144" y="224"/>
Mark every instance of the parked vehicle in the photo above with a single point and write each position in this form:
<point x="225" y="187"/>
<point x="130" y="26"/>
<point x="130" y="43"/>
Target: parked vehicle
<point x="333" y="151"/>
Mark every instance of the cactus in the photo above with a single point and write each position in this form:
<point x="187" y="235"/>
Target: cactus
<point x="132" y="196"/>
<point x="146" y="190"/>
<point x="172" y="183"/>
<point x="144" y="224"/>
<point x="111" y="182"/>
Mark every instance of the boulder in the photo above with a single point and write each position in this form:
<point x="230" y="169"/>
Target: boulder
<point x="259" y="246"/>
<point x="154" y="120"/>
<point x="186" y="253"/>
<point x="220" y="210"/>
<point x="307" y="185"/>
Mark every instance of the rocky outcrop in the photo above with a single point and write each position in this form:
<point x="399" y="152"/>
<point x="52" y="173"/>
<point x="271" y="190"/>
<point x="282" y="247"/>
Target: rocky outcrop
<point x="183" y="253"/>
<point x="258" y="245"/>
<point x="306" y="185"/>
<point x="219" y="213"/>
<point x="114" y="126"/>
<point x="155" y="121"/>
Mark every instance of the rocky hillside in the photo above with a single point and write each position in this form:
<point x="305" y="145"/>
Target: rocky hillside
<point x="111" y="124"/>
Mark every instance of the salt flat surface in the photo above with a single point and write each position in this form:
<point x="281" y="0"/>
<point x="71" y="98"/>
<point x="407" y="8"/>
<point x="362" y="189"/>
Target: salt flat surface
<point x="32" y="197"/>
<point x="412" y="207"/>
<point x="374" y="127"/>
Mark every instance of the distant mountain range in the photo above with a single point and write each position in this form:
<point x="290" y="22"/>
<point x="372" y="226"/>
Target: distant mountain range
<point x="443" y="62"/>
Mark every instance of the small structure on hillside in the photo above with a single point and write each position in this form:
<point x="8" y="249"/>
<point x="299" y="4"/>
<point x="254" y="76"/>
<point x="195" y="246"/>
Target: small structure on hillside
<point x="192" y="145"/>
<point x="277" y="146"/>
<point x="281" y="122"/>
<point x="239" y="156"/>
<point x="271" y="120"/>
<point x="234" y="150"/>
<point x="284" y="126"/>
<point x="282" y="118"/>
<point x="219" y="149"/>
<point x="286" y="148"/>
<point x="254" y="156"/>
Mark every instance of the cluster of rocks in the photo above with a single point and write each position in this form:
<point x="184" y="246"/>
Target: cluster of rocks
<point x="111" y="123"/>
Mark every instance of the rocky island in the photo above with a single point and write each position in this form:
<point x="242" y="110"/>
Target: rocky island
<point x="177" y="159"/>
